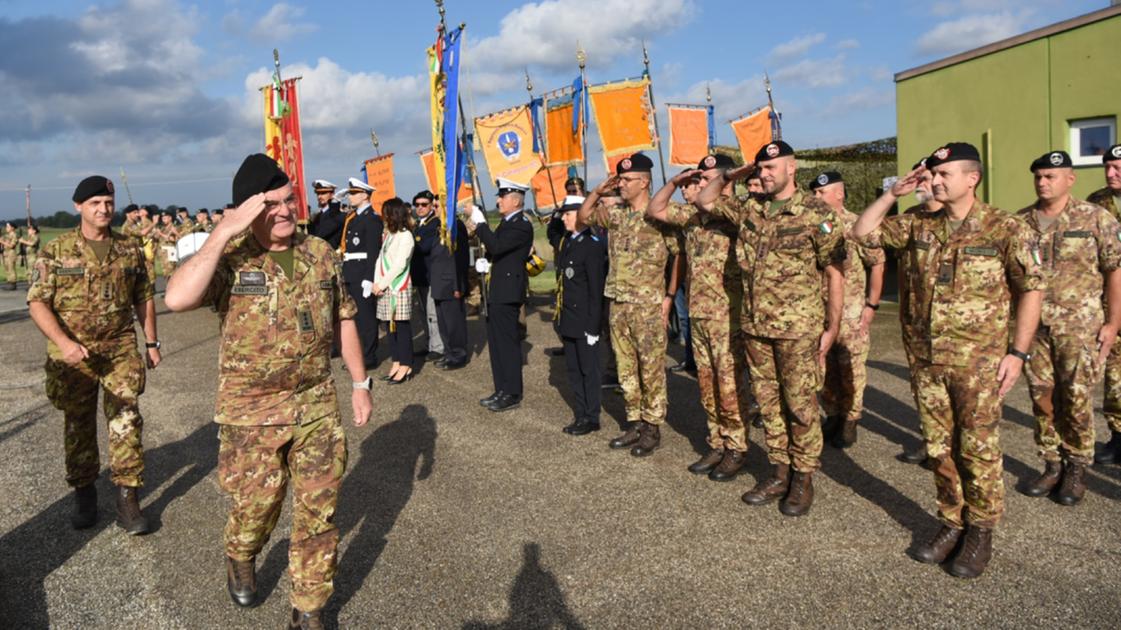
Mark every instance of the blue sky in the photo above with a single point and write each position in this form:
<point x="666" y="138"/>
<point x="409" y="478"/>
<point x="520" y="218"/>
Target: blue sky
<point x="166" y="89"/>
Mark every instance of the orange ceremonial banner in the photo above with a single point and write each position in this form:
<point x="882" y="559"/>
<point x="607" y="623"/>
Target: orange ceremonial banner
<point x="506" y="139"/>
<point x="562" y="146"/>
<point x="752" y="132"/>
<point x="546" y="196"/>
<point x="428" y="164"/>
<point x="688" y="135"/>
<point x="379" y="174"/>
<point x="623" y="116"/>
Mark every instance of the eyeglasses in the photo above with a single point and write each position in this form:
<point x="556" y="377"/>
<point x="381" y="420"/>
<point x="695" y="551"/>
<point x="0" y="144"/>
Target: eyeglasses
<point x="422" y="204"/>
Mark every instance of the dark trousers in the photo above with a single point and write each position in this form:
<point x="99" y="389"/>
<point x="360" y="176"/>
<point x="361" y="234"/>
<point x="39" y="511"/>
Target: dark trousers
<point x="451" y="317"/>
<point x="505" y="347"/>
<point x="367" y="321"/>
<point x="584" y="376"/>
<point x="400" y="342"/>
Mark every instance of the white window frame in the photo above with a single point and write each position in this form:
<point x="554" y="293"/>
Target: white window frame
<point x="1076" y="127"/>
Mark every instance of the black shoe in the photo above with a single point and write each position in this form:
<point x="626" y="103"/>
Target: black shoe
<point x="397" y="381"/>
<point x="915" y="455"/>
<point x="441" y="362"/>
<point x="610" y="381"/>
<point x="583" y="426"/>
<point x="1110" y="452"/>
<point x="241" y="581"/>
<point x="85" y="507"/>
<point x="555" y="352"/>
<point x="385" y="377"/>
<point x="680" y="367"/>
<point x="505" y="402"/>
<point x="489" y="399"/>
<point x="830" y="426"/>
<point x="432" y="356"/>
<point x="452" y="365"/>
<point x="757" y="421"/>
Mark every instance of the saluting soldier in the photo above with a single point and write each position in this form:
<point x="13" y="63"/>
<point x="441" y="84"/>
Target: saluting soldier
<point x="715" y="294"/>
<point x="186" y="225"/>
<point x="1080" y="245"/>
<point x="845" y="367"/>
<point x="360" y="246"/>
<point x="85" y="288"/>
<point x="327" y="222"/>
<point x="280" y="302"/>
<point x="638" y="249"/>
<point x="972" y="261"/>
<point x="202" y="221"/>
<point x="507" y="250"/>
<point x="1109" y="197"/>
<point x="790" y="246"/>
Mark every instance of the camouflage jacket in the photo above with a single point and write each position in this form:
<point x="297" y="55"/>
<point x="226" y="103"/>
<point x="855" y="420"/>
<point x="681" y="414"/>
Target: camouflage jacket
<point x="132" y="229"/>
<point x="637" y="248"/>
<point x="1105" y="198"/>
<point x="859" y="259"/>
<point x="782" y="256"/>
<point x="1077" y="249"/>
<point x="962" y="281"/>
<point x="10" y="242"/>
<point x="906" y="258"/>
<point x="715" y="283"/>
<point x="93" y="300"/>
<point x="274" y="366"/>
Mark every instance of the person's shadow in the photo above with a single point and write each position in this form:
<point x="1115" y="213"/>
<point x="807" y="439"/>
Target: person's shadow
<point x="536" y="600"/>
<point x="372" y="496"/>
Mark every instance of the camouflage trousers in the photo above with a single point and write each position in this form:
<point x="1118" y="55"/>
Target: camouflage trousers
<point x="1111" y="405"/>
<point x="254" y="466"/>
<point x="1061" y="378"/>
<point x="786" y="379"/>
<point x="960" y="408"/>
<point x="846" y="373"/>
<point x="10" y="258"/>
<point x="120" y="375"/>
<point x="639" y="340"/>
<point x="723" y="381"/>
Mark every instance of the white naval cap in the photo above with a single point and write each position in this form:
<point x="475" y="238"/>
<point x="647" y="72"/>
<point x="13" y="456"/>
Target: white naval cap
<point x="507" y="186"/>
<point x="355" y="183"/>
<point x="572" y="202"/>
<point x="322" y="184"/>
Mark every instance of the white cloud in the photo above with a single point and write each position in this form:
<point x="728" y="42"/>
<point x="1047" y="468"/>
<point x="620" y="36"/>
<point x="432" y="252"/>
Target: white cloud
<point x="815" y="73"/>
<point x="280" y="23"/>
<point x="971" y="31"/>
<point x="796" y="47"/>
<point x="847" y="44"/>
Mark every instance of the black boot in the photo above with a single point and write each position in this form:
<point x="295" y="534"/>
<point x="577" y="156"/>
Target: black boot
<point x="1110" y="452"/>
<point x="85" y="507"/>
<point x="241" y="581"/>
<point x="129" y="517"/>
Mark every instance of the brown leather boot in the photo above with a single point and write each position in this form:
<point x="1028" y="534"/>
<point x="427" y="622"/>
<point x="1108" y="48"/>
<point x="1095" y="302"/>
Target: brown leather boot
<point x="1046" y="481"/>
<point x="771" y="488"/>
<point x="1074" y="483"/>
<point x="846" y="436"/>
<point x="976" y="551"/>
<point x="706" y="463"/>
<point x="650" y="438"/>
<point x="85" y="507"/>
<point x="129" y="517"/>
<point x="801" y="496"/>
<point x="940" y="547"/>
<point x="628" y="438"/>
<point x="305" y="620"/>
<point x="730" y="466"/>
<point x="241" y="581"/>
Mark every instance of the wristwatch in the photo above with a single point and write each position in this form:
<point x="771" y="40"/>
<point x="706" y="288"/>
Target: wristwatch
<point x="152" y="345"/>
<point x="874" y="307"/>
<point x="1023" y="356"/>
<point x="366" y="384"/>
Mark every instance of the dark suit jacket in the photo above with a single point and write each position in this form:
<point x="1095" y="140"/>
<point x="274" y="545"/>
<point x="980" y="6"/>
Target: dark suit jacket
<point x="448" y="271"/>
<point x="582" y="267"/>
<point x="328" y="224"/>
<point x="427" y="235"/>
<point x="367" y="228"/>
<point x="507" y="249"/>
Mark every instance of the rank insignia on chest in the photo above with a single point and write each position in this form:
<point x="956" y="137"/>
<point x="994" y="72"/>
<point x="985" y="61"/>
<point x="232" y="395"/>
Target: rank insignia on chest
<point x="826" y="227"/>
<point x="355" y="240"/>
<point x="305" y="321"/>
<point x="945" y="273"/>
<point x="105" y="295"/>
<point x="251" y="278"/>
<point x="326" y="284"/>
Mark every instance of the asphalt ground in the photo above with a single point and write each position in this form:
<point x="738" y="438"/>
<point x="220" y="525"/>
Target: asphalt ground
<point x="456" y="517"/>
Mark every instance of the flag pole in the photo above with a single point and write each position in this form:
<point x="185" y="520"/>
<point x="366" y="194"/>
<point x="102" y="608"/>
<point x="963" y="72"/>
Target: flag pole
<point x="654" y="110"/>
<point x="708" y="99"/>
<point x="124" y="178"/>
<point x="469" y="155"/>
<point x="582" y="59"/>
<point x="541" y="143"/>
<point x="776" y="130"/>
<point x="375" y="142"/>
<point x="29" y="205"/>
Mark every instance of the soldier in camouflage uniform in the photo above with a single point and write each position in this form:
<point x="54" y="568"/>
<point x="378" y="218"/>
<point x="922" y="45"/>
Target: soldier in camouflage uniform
<point x="85" y="287"/>
<point x="202" y="222"/>
<point x="31" y="243"/>
<point x="715" y="292"/>
<point x="280" y="301"/>
<point x="186" y="225"/>
<point x="1109" y="198"/>
<point x="1080" y="245"/>
<point x="845" y="367"/>
<point x="972" y="260"/>
<point x="789" y="244"/>
<point x="638" y="249"/>
<point x="10" y="243"/>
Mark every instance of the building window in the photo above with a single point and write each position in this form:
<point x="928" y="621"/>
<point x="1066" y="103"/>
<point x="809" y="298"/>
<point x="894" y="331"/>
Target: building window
<point x="1090" y="138"/>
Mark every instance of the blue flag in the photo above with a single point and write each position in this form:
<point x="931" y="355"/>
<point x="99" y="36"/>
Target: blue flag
<point x="453" y="171"/>
<point x="579" y="105"/>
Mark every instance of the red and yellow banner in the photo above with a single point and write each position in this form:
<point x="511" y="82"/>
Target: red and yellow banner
<point x="379" y="174"/>
<point x="752" y="132"/>
<point x="624" y="117"/>
<point x="548" y="196"/>
<point x="428" y="165"/>
<point x="506" y="139"/>
<point x="283" y="141"/>
<point x="562" y="145"/>
<point x="688" y="135"/>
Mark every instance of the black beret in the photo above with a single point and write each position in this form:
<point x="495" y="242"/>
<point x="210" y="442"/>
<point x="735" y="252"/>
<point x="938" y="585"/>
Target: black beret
<point x="258" y="173"/>
<point x="1053" y="159"/>
<point x="424" y="194"/>
<point x="826" y="178"/>
<point x="637" y="163"/>
<point x="773" y="150"/>
<point x="92" y="186"/>
<point x="579" y="181"/>
<point x="131" y="208"/>
<point x="921" y="162"/>
<point x="953" y="152"/>
<point x="218" y="211"/>
<point x="716" y="160"/>
<point x="1113" y="154"/>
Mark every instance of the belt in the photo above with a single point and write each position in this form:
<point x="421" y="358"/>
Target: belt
<point x="355" y="256"/>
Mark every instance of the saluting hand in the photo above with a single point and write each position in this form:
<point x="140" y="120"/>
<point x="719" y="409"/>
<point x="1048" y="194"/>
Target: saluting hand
<point x="606" y="185"/>
<point x="908" y="183"/>
<point x="241" y="217"/>
<point x="683" y="177"/>
<point x="740" y="172"/>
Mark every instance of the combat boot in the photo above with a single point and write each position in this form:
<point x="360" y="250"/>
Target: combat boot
<point x="85" y="507"/>
<point x="830" y="427"/>
<point x="846" y="437"/>
<point x="801" y="496"/>
<point x="1110" y="452"/>
<point x="730" y="466"/>
<point x="754" y="418"/>
<point x="628" y="438"/>
<point x="1074" y="483"/>
<point x="706" y="463"/>
<point x="241" y="581"/>
<point x="1046" y="481"/>
<point x="649" y="440"/>
<point x="129" y="517"/>
<point x="940" y="547"/>
<point x="771" y="488"/>
<point x="305" y="620"/>
<point x="976" y="551"/>
<point x="916" y="455"/>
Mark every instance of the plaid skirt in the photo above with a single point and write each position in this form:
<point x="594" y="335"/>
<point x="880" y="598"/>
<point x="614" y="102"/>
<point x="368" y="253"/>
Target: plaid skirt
<point x="403" y="310"/>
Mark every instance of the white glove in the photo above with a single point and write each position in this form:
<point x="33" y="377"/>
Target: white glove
<point x="592" y="339"/>
<point x="367" y="288"/>
<point x="477" y="216"/>
<point x="482" y="265"/>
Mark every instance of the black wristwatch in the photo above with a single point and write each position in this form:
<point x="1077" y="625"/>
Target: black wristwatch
<point x="874" y="307"/>
<point x="1023" y="356"/>
<point x="153" y="345"/>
